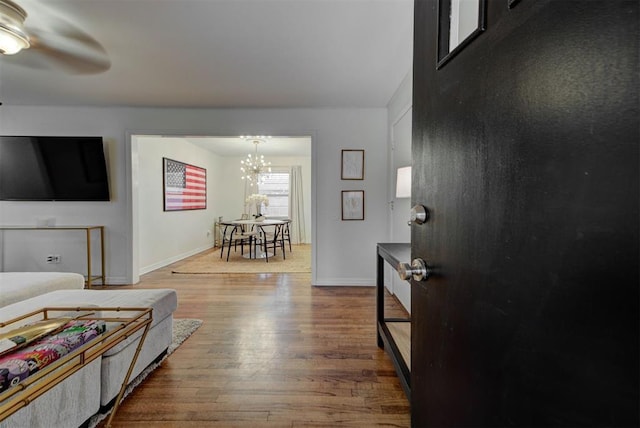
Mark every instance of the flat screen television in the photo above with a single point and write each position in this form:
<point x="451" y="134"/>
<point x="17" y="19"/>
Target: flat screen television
<point x="53" y="169"/>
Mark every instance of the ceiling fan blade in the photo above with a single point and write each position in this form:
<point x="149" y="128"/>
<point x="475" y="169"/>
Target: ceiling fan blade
<point x="77" y="55"/>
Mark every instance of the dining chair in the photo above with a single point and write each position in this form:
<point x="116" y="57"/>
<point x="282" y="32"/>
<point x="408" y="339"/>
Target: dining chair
<point x="286" y="235"/>
<point x="272" y="239"/>
<point x="245" y="217"/>
<point x="283" y="234"/>
<point x="226" y="229"/>
<point x="238" y="236"/>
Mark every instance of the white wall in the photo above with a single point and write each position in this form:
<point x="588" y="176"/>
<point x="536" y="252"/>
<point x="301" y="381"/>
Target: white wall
<point x="30" y="249"/>
<point x="184" y="233"/>
<point x="400" y="129"/>
<point x="343" y="251"/>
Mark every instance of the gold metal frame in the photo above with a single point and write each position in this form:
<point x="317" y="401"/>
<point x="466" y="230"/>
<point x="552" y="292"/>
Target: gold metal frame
<point x="21" y="395"/>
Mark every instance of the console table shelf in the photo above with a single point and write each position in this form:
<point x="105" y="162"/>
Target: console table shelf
<point x="91" y="276"/>
<point x="394" y="334"/>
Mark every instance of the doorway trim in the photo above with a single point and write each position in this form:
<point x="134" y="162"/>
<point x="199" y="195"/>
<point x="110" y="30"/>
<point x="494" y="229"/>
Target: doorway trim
<point x="132" y="191"/>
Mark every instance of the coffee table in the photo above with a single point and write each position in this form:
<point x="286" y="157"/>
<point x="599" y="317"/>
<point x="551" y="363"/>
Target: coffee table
<point x="122" y="322"/>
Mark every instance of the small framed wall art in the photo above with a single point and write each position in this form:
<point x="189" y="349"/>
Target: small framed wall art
<point x="353" y="205"/>
<point x="184" y="185"/>
<point x="352" y="165"/>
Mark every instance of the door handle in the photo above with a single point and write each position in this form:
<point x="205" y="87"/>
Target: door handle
<point x="417" y="269"/>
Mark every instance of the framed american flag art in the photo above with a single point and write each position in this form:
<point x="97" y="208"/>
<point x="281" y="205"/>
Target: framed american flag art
<point x="184" y="185"/>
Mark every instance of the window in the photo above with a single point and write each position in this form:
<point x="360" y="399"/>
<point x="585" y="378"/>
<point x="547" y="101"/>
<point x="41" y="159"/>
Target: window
<point x="275" y="185"/>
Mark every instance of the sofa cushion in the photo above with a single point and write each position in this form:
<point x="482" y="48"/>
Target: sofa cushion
<point x="18" y="286"/>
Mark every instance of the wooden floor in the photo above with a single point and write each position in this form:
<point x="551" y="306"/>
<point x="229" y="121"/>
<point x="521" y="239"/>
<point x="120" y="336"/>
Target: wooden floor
<point x="273" y="351"/>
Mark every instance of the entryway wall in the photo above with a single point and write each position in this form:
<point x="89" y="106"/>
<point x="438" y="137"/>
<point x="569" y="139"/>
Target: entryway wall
<point x="343" y="252"/>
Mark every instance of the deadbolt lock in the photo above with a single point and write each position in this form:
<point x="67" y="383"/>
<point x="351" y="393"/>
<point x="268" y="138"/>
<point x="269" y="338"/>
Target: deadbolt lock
<point x="419" y="214"/>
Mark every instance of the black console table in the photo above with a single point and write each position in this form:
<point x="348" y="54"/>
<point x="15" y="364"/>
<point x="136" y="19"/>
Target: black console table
<point x="394" y="334"/>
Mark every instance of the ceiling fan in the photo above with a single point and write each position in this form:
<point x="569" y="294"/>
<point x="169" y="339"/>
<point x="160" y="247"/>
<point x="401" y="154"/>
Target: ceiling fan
<point x="45" y="40"/>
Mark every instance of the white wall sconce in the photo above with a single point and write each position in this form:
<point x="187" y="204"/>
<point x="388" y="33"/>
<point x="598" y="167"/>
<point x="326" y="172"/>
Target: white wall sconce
<point x="403" y="182"/>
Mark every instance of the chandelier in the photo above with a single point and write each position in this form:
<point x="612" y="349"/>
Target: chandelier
<point x="253" y="166"/>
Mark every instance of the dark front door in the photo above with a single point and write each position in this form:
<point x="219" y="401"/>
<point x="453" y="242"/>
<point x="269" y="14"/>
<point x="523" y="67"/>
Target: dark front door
<point x="525" y="151"/>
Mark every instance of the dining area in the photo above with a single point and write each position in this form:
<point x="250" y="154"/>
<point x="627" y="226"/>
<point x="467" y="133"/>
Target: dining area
<point x="285" y="193"/>
<point x="255" y="238"/>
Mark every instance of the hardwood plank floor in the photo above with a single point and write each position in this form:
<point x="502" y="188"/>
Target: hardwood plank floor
<point x="273" y="351"/>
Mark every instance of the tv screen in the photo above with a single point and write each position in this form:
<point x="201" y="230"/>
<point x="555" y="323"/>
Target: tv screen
<point x="53" y="169"/>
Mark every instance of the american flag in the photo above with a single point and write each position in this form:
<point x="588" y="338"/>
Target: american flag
<point x="185" y="186"/>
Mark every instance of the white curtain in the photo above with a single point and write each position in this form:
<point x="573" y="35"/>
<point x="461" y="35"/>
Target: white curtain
<point x="296" y="205"/>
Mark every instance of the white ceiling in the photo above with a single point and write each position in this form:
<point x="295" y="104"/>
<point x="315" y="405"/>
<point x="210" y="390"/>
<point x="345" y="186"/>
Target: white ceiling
<point x="225" y="53"/>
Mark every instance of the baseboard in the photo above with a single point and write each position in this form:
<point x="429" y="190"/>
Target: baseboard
<point x="345" y="282"/>
<point x="115" y="280"/>
<point x="166" y="262"/>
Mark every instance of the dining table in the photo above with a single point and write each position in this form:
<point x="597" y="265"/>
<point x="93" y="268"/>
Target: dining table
<point x="259" y="252"/>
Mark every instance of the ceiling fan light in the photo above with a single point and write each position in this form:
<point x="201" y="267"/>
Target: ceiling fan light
<point x="12" y="36"/>
<point x="11" y="42"/>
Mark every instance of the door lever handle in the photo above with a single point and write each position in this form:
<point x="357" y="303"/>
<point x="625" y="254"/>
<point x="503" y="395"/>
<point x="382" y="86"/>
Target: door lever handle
<point x="417" y="269"/>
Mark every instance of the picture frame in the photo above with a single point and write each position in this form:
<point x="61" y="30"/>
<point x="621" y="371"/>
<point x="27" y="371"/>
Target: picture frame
<point x="184" y="186"/>
<point x="352" y="167"/>
<point x="353" y="205"/>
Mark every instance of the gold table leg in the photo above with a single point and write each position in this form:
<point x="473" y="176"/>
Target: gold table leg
<point x="125" y="382"/>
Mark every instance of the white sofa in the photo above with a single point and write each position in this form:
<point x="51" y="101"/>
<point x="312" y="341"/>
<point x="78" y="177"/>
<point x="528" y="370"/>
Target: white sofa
<point x="94" y="387"/>
<point x="18" y="286"/>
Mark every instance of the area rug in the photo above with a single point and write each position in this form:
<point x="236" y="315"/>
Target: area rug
<point x="208" y="262"/>
<point x="182" y="329"/>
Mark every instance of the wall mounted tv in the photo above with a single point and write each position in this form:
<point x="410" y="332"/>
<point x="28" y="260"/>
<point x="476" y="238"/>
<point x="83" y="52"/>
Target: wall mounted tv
<point x="53" y="169"/>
